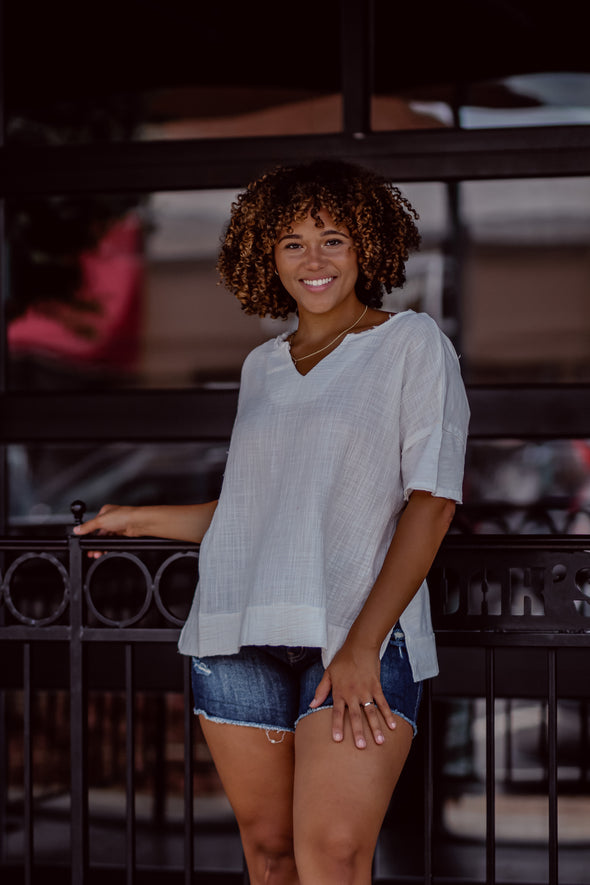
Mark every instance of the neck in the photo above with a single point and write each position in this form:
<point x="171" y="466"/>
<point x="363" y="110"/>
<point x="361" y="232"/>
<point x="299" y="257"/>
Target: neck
<point x="314" y="327"/>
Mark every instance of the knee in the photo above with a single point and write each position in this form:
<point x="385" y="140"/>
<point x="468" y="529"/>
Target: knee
<point x="338" y="854"/>
<point x="269" y="855"/>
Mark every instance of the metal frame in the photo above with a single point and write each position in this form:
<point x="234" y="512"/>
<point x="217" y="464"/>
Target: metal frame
<point x="461" y="621"/>
<point x="424" y="155"/>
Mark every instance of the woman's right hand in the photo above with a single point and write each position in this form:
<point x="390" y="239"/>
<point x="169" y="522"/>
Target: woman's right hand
<point x="112" y="520"/>
<point x="178" y="522"/>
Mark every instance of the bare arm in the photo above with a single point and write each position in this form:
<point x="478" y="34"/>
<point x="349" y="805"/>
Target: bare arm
<point x="187" y="522"/>
<point x="353" y="675"/>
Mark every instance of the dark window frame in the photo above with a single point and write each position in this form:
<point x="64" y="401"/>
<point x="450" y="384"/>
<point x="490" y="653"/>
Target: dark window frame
<point x="449" y="156"/>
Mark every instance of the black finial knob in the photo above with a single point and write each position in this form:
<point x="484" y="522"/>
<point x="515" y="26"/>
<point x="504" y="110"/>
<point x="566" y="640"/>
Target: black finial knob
<point x="78" y="509"/>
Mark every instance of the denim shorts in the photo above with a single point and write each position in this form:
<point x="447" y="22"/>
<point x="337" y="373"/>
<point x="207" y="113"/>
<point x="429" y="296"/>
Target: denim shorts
<point x="271" y="687"/>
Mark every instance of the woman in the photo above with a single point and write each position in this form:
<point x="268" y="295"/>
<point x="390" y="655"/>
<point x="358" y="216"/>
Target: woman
<point x="310" y="629"/>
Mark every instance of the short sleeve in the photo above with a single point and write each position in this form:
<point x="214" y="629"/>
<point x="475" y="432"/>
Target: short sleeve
<point x="434" y="415"/>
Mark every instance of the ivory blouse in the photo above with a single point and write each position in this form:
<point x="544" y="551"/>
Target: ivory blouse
<point x="318" y="471"/>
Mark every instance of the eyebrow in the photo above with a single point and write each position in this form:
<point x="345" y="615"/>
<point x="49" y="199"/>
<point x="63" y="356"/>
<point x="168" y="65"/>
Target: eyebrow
<point x="324" y="233"/>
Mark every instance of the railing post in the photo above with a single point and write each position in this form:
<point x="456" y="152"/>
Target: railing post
<point x="552" y="770"/>
<point x="490" y="767"/>
<point x="189" y="853"/>
<point x="78" y="712"/>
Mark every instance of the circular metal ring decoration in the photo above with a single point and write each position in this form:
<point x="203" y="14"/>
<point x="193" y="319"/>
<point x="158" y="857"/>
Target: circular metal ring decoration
<point x="179" y="622"/>
<point x="6" y="589"/>
<point x="132" y="619"/>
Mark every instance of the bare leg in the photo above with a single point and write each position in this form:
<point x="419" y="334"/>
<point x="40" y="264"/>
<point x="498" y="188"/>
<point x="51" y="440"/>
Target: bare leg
<point x="340" y="799"/>
<point x="257" y="776"/>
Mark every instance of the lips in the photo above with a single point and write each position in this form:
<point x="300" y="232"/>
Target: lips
<point x="316" y="283"/>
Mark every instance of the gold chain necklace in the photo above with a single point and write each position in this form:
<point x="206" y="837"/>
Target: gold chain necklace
<point x="321" y="350"/>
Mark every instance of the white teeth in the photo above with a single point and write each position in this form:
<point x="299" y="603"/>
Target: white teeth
<point x="318" y="282"/>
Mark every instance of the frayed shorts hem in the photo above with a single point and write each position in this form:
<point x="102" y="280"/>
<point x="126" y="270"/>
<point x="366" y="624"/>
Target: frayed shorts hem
<point x="330" y="707"/>
<point x="222" y="721"/>
<point x="307" y="713"/>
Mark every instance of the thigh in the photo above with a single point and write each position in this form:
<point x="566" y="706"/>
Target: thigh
<point x="257" y="776"/>
<point x="342" y="793"/>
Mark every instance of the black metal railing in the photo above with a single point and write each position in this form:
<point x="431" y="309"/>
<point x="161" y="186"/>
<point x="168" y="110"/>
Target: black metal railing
<point x="512" y="616"/>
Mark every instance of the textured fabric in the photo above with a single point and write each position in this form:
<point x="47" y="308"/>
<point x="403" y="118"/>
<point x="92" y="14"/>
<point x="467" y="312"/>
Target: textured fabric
<point x="272" y="686"/>
<point x="318" y="472"/>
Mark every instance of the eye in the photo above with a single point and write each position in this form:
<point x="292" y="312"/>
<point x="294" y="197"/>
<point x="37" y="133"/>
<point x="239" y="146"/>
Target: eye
<point x="334" y="241"/>
<point x="291" y="246"/>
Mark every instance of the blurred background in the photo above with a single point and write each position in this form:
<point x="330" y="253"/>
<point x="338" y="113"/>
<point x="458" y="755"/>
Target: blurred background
<point x="126" y="131"/>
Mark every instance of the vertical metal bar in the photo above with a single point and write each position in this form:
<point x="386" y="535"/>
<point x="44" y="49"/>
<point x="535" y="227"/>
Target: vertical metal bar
<point x="428" y="783"/>
<point x="78" y="720"/>
<point x="4" y="763"/>
<point x="4" y="511"/>
<point x="356" y="65"/>
<point x="2" y="77"/>
<point x="159" y="804"/>
<point x="189" y="849"/>
<point x="454" y="254"/>
<point x="584" y="741"/>
<point x="552" y="764"/>
<point x="130" y="847"/>
<point x="3" y="291"/>
<point x="508" y="745"/>
<point x="490" y="770"/>
<point x="29" y="847"/>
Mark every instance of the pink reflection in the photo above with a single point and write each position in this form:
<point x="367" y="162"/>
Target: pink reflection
<point x="104" y="330"/>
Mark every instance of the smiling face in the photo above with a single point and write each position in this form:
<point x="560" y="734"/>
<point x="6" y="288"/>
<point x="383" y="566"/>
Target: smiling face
<point x="318" y="266"/>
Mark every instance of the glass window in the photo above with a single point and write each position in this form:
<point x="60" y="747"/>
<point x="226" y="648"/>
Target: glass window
<point x="173" y="70"/>
<point x="418" y="108"/>
<point x="115" y="292"/>
<point x="526" y="280"/>
<point x="111" y="292"/>
<point x="44" y="480"/>
<point x="522" y="487"/>
<point x="531" y="99"/>
<point x="179" y="113"/>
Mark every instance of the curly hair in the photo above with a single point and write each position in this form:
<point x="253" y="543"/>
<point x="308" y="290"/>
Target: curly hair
<point x="379" y="219"/>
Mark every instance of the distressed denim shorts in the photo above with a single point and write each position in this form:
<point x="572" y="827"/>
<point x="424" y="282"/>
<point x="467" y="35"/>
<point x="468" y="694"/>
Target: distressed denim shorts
<point x="271" y="687"/>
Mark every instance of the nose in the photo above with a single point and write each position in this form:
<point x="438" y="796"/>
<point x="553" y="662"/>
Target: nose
<point x="314" y="255"/>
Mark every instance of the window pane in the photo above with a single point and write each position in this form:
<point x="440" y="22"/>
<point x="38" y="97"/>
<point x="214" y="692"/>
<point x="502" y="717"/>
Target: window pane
<point x="535" y="99"/>
<point x="526" y="280"/>
<point x="419" y="108"/>
<point x="519" y="487"/>
<point x="112" y="292"/>
<point x="171" y="70"/>
<point x="44" y="480"/>
<point x="116" y="292"/>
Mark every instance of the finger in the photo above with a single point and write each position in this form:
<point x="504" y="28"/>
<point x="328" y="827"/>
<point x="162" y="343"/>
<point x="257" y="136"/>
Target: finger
<point x="338" y="711"/>
<point x="95" y="524"/>
<point x="322" y="691"/>
<point x="357" y="720"/>
<point x="385" y="710"/>
<point x="370" y="710"/>
<point x="86" y="528"/>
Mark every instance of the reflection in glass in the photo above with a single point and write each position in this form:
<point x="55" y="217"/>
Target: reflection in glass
<point x="531" y="99"/>
<point x="525" y="280"/>
<point x="520" y="487"/>
<point x="44" y="480"/>
<point x="111" y="292"/>
<point x="123" y="292"/>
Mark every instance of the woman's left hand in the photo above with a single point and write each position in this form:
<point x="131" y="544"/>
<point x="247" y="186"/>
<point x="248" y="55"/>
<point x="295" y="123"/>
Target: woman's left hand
<point x="353" y="677"/>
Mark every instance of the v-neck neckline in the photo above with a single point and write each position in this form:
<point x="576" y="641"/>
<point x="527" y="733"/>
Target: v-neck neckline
<point x="287" y="347"/>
